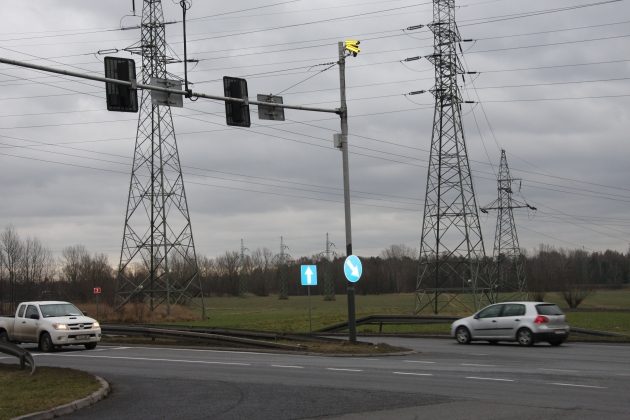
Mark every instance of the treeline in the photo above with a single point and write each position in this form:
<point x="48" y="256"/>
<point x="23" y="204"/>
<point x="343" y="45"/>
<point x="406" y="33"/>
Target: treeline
<point x="28" y="271"/>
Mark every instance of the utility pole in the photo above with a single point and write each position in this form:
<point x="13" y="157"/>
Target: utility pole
<point x="508" y="275"/>
<point x="157" y="232"/>
<point x="352" y="327"/>
<point x="282" y="271"/>
<point x="451" y="245"/>
<point x="242" y="281"/>
<point x="329" y="284"/>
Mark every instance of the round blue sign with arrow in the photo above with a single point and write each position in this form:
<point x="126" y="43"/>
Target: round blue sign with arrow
<point x="353" y="268"/>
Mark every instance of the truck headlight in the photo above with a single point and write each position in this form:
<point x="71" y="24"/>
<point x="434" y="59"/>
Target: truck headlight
<point x="60" y="326"/>
<point x="96" y="325"/>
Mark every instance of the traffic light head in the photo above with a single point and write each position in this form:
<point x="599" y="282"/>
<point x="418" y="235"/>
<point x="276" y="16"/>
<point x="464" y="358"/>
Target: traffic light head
<point x="352" y="45"/>
<point x="120" y="98"/>
<point x="236" y="113"/>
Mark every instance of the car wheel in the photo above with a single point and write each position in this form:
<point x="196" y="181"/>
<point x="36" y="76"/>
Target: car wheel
<point x="556" y="343"/>
<point x="525" y="337"/>
<point x="4" y="337"/>
<point x="90" y="346"/>
<point x="462" y="335"/>
<point x="45" y="343"/>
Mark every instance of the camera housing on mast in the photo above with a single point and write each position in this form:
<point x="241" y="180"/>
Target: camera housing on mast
<point x="352" y="45"/>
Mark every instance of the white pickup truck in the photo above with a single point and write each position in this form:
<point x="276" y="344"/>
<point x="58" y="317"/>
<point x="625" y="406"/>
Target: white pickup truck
<point x="51" y="324"/>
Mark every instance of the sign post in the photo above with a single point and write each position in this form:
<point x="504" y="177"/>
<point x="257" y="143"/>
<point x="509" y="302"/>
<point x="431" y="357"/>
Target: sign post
<point x="308" y="279"/>
<point x="97" y="292"/>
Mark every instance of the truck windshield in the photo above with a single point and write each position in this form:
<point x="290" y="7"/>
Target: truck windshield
<point x="59" y="309"/>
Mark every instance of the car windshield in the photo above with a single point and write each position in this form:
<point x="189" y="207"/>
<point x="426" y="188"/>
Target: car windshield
<point x="550" y="309"/>
<point x="59" y="309"/>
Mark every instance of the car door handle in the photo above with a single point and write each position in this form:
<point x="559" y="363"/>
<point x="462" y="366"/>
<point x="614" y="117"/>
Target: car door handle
<point x="516" y="320"/>
<point x="494" y="320"/>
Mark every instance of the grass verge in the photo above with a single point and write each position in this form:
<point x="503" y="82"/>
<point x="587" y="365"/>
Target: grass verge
<point x="607" y="310"/>
<point x="21" y="393"/>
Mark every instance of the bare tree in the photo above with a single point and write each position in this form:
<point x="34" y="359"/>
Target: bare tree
<point x="12" y="251"/>
<point x="575" y="283"/>
<point x="73" y="261"/>
<point x="395" y="268"/>
<point x="262" y="271"/>
<point x="37" y="262"/>
<point x="398" y="252"/>
<point x="227" y="266"/>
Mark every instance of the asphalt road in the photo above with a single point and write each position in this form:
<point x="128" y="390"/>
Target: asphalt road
<point x="442" y="379"/>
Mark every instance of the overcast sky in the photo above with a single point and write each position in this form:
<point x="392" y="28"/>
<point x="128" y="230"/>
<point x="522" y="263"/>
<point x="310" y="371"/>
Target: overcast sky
<point x="553" y="90"/>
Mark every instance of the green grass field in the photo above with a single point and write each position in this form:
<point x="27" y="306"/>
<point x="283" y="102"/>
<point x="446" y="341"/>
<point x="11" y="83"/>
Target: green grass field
<point x="607" y="310"/>
<point x="22" y="393"/>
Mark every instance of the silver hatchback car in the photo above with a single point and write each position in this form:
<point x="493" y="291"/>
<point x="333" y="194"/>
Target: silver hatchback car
<point x="523" y="322"/>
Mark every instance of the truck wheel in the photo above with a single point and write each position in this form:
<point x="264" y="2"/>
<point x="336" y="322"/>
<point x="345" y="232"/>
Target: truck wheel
<point x="45" y="343"/>
<point x="90" y="346"/>
<point x="4" y="337"/>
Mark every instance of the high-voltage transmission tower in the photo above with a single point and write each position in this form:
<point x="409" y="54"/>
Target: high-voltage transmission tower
<point x="451" y="246"/>
<point x="243" y="263"/>
<point x="328" y="279"/>
<point x="282" y="260"/>
<point x="158" y="263"/>
<point x="507" y="275"/>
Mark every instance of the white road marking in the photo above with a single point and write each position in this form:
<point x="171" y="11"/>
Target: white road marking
<point x="198" y="350"/>
<point x="476" y="365"/>
<point x="413" y="374"/>
<point x="419" y="361"/>
<point x="489" y="379"/>
<point x="579" y="386"/>
<point x="149" y="359"/>
<point x="345" y="370"/>
<point x="559" y="370"/>
<point x="288" y="366"/>
<point x="478" y="354"/>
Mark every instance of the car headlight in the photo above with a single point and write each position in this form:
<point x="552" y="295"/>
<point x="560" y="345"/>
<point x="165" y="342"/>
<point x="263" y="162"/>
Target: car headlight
<point x="96" y="325"/>
<point x="60" y="326"/>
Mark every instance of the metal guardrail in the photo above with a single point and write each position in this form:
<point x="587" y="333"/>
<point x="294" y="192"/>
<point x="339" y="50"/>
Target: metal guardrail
<point x="262" y="339"/>
<point x="436" y="319"/>
<point x="24" y="356"/>
<point x="154" y="332"/>
<point x="391" y="319"/>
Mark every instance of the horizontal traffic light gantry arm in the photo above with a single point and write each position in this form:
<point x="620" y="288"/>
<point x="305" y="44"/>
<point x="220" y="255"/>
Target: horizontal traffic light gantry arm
<point x="134" y="85"/>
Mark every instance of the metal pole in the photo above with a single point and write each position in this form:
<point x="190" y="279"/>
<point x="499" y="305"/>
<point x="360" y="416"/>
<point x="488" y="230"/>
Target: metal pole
<point x="184" y="8"/>
<point x="135" y="85"/>
<point x="352" y="327"/>
<point x="310" y="322"/>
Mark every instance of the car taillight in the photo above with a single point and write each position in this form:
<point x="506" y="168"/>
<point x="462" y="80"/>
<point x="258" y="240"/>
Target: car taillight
<point x="540" y="319"/>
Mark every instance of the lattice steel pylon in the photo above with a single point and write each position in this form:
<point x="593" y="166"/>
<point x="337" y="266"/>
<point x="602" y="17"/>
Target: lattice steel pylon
<point x="452" y="254"/>
<point x="158" y="262"/>
<point x="508" y="271"/>
<point x="327" y="274"/>
<point x="282" y="260"/>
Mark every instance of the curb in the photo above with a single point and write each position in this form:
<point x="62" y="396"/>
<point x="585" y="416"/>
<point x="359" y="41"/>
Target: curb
<point x="70" y="407"/>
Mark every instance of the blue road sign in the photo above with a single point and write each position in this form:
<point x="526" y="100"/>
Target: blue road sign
<point x="309" y="275"/>
<point x="353" y="268"/>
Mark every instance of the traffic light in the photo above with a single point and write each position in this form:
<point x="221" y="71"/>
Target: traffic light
<point x="120" y="98"/>
<point x="352" y="45"/>
<point x="236" y="113"/>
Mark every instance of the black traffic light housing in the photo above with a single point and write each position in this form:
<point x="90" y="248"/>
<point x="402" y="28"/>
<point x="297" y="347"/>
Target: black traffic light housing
<point x="236" y="113"/>
<point x="121" y="98"/>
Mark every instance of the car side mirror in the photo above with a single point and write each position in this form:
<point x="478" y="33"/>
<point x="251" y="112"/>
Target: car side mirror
<point x="476" y="316"/>
<point x="85" y="313"/>
<point x="34" y="316"/>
